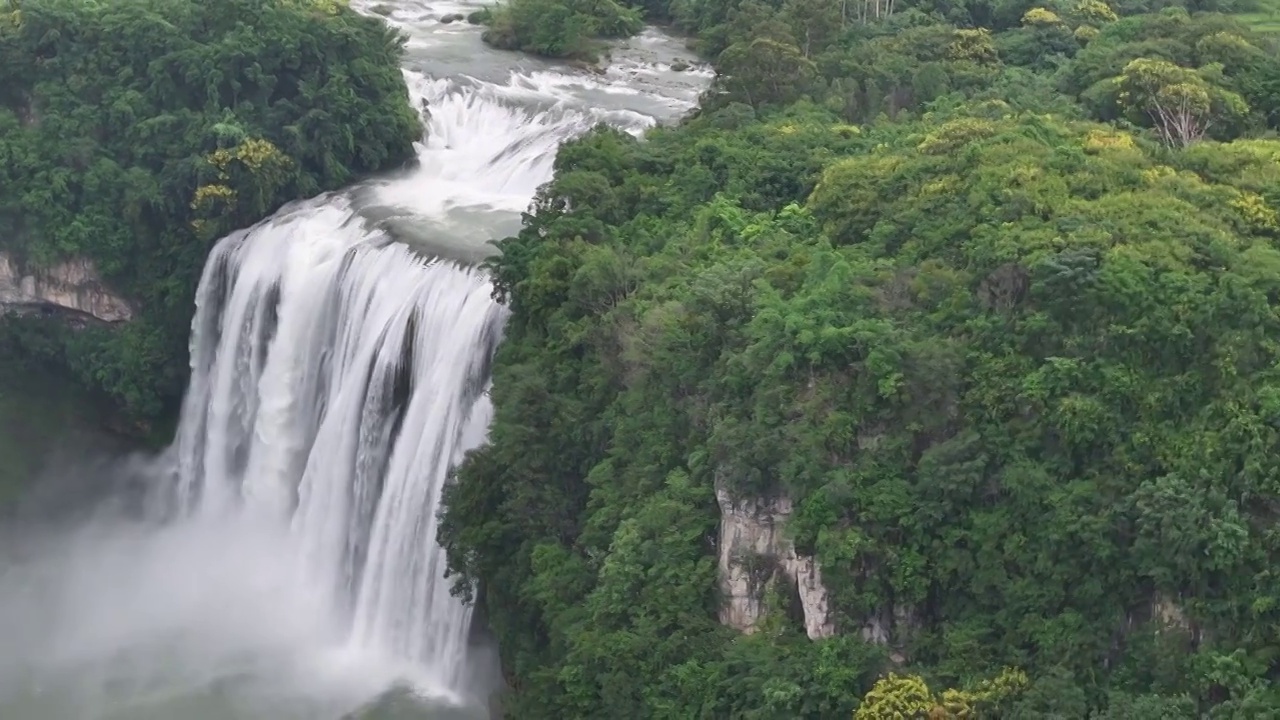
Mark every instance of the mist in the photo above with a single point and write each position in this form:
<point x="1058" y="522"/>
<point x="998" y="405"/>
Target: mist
<point x="108" y="615"/>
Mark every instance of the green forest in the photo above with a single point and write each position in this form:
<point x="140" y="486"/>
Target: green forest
<point x="988" y="290"/>
<point x="136" y="133"/>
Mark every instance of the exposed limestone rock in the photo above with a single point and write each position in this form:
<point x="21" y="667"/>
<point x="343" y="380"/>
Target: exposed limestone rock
<point x="886" y="627"/>
<point x="1169" y="614"/>
<point x="751" y="530"/>
<point x="28" y="114"/>
<point x="73" y="285"/>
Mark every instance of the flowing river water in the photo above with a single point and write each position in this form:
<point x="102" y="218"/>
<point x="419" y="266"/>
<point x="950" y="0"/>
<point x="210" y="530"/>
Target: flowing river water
<point x="283" y="564"/>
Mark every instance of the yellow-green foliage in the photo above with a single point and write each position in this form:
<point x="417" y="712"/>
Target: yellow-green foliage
<point x="894" y="697"/>
<point x="1227" y="47"/>
<point x="975" y="45"/>
<point x="1103" y="139"/>
<point x="908" y="697"/>
<point x="254" y="167"/>
<point x="955" y="134"/>
<point x="209" y="195"/>
<point x="253" y="153"/>
<point x="1085" y="33"/>
<point x="1040" y="17"/>
<point x="1094" y="12"/>
<point x="1256" y="212"/>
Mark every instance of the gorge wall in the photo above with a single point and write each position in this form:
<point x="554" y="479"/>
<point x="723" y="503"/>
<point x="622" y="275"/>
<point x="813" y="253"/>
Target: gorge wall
<point x="755" y="552"/>
<point x="73" y="286"/>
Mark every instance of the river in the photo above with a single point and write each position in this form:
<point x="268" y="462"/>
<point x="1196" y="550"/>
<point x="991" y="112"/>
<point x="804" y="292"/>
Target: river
<point x="278" y="561"/>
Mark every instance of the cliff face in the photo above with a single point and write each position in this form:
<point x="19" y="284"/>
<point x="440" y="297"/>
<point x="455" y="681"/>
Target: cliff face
<point x="754" y="551"/>
<point x="73" y="286"/>
<point x="755" y="554"/>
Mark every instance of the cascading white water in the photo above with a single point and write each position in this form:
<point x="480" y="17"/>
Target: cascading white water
<point x="340" y="357"/>
<point x="334" y="379"/>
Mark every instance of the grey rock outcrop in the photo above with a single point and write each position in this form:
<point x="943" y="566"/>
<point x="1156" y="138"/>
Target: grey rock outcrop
<point x="72" y="285"/>
<point x="754" y="551"/>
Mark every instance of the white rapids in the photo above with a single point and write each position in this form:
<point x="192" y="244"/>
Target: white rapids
<point x="340" y="355"/>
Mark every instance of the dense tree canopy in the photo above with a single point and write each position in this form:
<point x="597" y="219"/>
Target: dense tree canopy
<point x="135" y="133"/>
<point x="991" y="292"/>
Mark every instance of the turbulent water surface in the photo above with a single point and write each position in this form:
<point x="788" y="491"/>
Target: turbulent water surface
<point x="279" y="561"/>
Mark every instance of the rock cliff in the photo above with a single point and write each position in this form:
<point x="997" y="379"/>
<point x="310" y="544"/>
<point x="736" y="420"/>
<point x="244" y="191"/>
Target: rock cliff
<point x="754" y="551"/>
<point x="72" y="286"/>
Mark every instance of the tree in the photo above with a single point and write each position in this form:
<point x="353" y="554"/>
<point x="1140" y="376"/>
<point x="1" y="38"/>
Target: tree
<point x="1178" y="102"/>
<point x="898" y="697"/>
<point x="764" y="71"/>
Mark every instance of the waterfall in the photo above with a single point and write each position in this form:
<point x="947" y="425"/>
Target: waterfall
<point x="335" y="379"/>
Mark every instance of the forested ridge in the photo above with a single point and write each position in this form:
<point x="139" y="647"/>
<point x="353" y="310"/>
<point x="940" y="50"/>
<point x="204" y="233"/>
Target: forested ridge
<point x="135" y="133"/>
<point x="990" y="292"/>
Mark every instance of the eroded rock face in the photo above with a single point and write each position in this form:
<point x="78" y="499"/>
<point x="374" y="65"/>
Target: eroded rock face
<point x="754" y="551"/>
<point x="73" y="285"/>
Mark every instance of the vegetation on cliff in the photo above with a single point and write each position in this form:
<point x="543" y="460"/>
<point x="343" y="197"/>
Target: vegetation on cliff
<point x="136" y="133"/>
<point x="990" y="292"/>
<point x="558" y="28"/>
